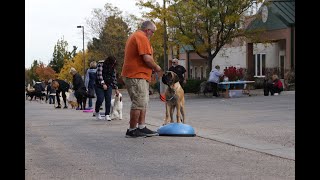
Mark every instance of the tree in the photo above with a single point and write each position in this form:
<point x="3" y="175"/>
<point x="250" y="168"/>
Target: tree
<point x="205" y="25"/>
<point x="76" y="62"/>
<point x="32" y="72"/>
<point x="112" y="32"/>
<point x="60" y="54"/>
<point x="45" y="72"/>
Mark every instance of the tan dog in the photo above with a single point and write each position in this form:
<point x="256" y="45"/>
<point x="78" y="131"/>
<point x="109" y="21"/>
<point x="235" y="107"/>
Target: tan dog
<point x="73" y="104"/>
<point x="174" y="95"/>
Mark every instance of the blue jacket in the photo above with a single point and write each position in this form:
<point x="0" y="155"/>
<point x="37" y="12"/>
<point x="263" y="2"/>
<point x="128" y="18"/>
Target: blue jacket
<point x="90" y="78"/>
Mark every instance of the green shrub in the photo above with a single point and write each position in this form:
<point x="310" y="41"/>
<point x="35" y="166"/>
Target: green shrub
<point x="192" y="86"/>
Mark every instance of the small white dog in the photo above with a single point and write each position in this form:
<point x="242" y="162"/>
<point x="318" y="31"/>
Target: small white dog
<point x="116" y="107"/>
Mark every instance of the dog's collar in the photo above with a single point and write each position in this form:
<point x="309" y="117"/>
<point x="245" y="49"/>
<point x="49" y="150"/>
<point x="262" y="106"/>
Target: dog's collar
<point x="172" y="95"/>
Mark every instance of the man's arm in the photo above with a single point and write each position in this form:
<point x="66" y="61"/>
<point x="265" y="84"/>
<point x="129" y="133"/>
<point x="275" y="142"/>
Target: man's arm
<point x="150" y="62"/>
<point x="99" y="73"/>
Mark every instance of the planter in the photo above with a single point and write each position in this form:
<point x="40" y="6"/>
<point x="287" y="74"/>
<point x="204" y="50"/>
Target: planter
<point x="235" y="93"/>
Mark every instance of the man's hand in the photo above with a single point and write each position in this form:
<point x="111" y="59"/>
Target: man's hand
<point x="105" y="87"/>
<point x="157" y="69"/>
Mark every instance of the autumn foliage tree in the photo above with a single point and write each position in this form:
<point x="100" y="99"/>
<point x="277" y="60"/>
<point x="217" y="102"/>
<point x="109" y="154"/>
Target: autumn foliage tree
<point x="111" y="33"/>
<point x="45" y="72"/>
<point x="205" y="25"/>
<point x="76" y="62"/>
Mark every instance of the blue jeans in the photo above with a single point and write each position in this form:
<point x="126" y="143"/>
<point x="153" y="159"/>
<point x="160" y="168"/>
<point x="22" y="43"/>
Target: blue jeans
<point x="103" y="95"/>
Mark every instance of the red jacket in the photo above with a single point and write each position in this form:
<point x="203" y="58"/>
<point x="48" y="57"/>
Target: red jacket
<point x="277" y="83"/>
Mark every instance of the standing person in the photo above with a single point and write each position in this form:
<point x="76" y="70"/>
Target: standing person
<point x="51" y="92"/>
<point x="214" y="79"/>
<point x="136" y="72"/>
<point x="90" y="81"/>
<point x="80" y="91"/>
<point x="106" y="80"/>
<point x="63" y="87"/>
<point x="179" y="70"/>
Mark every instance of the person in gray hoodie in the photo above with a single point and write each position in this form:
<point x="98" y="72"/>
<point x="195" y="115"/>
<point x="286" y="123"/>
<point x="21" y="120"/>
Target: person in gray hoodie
<point x="90" y="82"/>
<point x="214" y="79"/>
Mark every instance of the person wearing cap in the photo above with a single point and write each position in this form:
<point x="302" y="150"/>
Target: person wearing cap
<point x="214" y="79"/>
<point x="179" y="70"/>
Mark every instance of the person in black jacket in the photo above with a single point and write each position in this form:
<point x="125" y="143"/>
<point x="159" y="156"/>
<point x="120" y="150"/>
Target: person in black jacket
<point x="51" y="93"/>
<point x="39" y="87"/>
<point x="61" y="86"/>
<point x="105" y="81"/>
<point x="80" y="90"/>
<point x="179" y="70"/>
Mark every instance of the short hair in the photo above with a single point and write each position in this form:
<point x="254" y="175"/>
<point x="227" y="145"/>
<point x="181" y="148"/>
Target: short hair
<point x="93" y="64"/>
<point x="72" y="70"/>
<point x="147" y="25"/>
<point x="175" y="60"/>
<point x="55" y="84"/>
<point x="217" y="67"/>
<point x="275" y="76"/>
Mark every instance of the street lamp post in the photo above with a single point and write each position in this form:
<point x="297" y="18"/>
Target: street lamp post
<point x="84" y="59"/>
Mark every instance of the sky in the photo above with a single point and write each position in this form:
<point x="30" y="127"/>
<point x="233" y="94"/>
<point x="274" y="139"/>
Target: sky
<point x="47" y="21"/>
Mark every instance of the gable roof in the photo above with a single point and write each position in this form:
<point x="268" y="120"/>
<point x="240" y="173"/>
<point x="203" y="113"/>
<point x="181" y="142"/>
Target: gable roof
<point x="281" y="15"/>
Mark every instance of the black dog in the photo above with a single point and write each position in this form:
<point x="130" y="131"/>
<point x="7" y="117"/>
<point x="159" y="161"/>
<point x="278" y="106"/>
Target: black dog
<point x="81" y="96"/>
<point x="35" y="95"/>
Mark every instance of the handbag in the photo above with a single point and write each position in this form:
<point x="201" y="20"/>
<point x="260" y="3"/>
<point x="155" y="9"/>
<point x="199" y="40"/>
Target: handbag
<point x="91" y="94"/>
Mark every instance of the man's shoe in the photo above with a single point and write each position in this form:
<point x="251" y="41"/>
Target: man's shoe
<point x="107" y="117"/>
<point x="135" y="134"/>
<point x="148" y="132"/>
<point x="65" y="107"/>
<point x="98" y="116"/>
<point x="58" y="107"/>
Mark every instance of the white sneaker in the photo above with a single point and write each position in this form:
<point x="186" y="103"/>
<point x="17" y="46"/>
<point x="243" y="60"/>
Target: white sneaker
<point x="108" y="118"/>
<point x="276" y="94"/>
<point x="98" y="116"/>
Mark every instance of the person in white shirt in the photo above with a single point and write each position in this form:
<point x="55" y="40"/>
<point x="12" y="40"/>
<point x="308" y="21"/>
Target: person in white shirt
<point x="214" y="79"/>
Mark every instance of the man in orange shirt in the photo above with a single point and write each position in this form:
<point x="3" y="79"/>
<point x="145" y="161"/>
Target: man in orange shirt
<point x="136" y="72"/>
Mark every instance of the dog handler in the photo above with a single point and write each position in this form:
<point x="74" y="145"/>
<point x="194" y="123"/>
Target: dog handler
<point x="106" y="80"/>
<point x="136" y="72"/>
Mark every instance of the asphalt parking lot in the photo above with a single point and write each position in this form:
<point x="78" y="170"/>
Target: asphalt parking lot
<point x="236" y="138"/>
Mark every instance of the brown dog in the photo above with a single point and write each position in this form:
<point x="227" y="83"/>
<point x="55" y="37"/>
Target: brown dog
<point x="73" y="104"/>
<point x="174" y="95"/>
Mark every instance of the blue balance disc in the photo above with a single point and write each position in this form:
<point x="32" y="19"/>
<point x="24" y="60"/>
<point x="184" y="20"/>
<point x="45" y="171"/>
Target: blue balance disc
<point x="176" y="129"/>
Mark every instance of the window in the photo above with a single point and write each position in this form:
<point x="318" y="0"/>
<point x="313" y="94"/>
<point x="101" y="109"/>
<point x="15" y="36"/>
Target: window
<point x="259" y="64"/>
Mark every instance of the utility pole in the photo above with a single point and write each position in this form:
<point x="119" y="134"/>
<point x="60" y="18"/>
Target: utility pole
<point x="84" y="58"/>
<point x="165" y="68"/>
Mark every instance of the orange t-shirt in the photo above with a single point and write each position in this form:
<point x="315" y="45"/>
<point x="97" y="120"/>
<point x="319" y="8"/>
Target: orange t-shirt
<point x="134" y="66"/>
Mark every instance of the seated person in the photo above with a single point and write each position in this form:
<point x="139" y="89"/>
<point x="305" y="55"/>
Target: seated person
<point x="275" y="87"/>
